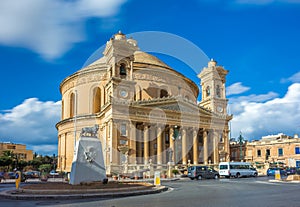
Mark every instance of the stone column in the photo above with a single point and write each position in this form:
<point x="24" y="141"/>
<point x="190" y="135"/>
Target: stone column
<point x="114" y="143"/>
<point x="226" y="145"/>
<point x="172" y="144"/>
<point x="159" y="145"/>
<point x="65" y="152"/>
<point x="132" y="144"/>
<point x="164" y="146"/>
<point x="215" y="146"/>
<point x="131" y="70"/>
<point x="59" y="153"/>
<point x="195" y="146"/>
<point x="205" y="147"/>
<point x="139" y="145"/>
<point x="146" y="144"/>
<point x="184" y="147"/>
<point x="152" y="139"/>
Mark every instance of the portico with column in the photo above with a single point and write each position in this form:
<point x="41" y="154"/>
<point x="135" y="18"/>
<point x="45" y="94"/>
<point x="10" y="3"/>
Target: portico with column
<point x="158" y="139"/>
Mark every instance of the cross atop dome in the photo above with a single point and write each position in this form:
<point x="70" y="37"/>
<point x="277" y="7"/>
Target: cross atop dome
<point x="212" y="63"/>
<point x="119" y="36"/>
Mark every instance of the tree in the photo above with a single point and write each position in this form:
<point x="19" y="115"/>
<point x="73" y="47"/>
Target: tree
<point x="35" y="163"/>
<point x="45" y="168"/>
<point x="5" y="161"/>
<point x="22" y="164"/>
<point x="8" y="153"/>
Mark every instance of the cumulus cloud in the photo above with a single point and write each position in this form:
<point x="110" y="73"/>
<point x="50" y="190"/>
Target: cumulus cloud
<point x="256" y="119"/>
<point x="236" y="88"/>
<point x="50" y="27"/>
<point x="32" y="123"/>
<point x="265" y="2"/>
<point x="294" y="78"/>
<point x="249" y="2"/>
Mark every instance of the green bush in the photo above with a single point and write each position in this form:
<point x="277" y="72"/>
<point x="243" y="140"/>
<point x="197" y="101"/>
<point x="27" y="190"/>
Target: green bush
<point x="175" y="171"/>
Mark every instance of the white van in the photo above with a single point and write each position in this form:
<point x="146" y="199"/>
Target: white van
<point x="236" y="169"/>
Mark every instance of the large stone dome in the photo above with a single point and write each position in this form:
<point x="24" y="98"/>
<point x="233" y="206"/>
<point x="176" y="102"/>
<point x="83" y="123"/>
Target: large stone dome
<point x="143" y="57"/>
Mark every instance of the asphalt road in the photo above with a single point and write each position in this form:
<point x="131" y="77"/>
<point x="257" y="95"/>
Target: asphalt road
<point x="243" y="192"/>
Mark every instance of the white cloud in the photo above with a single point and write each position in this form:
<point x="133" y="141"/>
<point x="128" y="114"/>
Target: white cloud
<point x="238" y="104"/>
<point x="294" y="78"/>
<point x="32" y="123"/>
<point x="256" y="119"/>
<point x="255" y="98"/>
<point x="266" y="2"/>
<point x="50" y="27"/>
<point x="236" y="88"/>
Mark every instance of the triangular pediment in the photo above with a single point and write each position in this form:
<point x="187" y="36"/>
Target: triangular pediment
<point x="176" y="104"/>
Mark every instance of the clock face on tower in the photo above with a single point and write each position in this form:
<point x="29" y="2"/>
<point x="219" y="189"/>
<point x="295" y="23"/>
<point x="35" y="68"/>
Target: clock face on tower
<point x="123" y="93"/>
<point x="220" y="109"/>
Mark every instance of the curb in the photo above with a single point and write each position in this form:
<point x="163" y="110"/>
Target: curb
<point x="13" y="194"/>
<point x="284" y="181"/>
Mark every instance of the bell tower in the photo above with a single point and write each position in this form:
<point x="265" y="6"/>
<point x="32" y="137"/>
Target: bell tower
<point x="119" y="53"/>
<point x="213" y="79"/>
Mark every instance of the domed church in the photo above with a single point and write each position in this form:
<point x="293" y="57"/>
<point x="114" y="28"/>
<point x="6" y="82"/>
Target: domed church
<point x="146" y="112"/>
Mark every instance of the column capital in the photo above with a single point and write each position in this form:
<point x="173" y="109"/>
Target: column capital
<point x="146" y="126"/>
<point x="195" y="131"/>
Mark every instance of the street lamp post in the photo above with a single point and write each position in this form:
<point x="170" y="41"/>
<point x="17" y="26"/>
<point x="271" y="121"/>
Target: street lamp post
<point x="176" y="136"/>
<point x="241" y="141"/>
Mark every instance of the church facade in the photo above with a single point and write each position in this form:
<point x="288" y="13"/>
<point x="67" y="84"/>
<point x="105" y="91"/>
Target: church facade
<point x="146" y="111"/>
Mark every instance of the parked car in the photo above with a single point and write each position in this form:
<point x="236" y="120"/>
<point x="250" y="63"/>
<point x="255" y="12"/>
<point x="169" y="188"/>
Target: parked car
<point x="200" y="172"/>
<point x="271" y="171"/>
<point x="291" y="170"/>
<point x="1" y="176"/>
<point x="11" y="175"/>
<point x="32" y="174"/>
<point x="254" y="172"/>
<point x="53" y="173"/>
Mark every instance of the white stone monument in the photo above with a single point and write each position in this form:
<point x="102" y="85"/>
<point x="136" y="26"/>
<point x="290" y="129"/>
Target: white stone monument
<point x="88" y="164"/>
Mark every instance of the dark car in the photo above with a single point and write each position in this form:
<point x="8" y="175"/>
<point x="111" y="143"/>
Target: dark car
<point x="291" y="170"/>
<point x="200" y="172"/>
<point x="271" y="171"/>
<point x="32" y="174"/>
<point x="11" y="175"/>
<point x="1" y="176"/>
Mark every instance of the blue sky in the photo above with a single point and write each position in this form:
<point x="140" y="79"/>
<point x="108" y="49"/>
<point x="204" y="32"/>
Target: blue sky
<point x="41" y="44"/>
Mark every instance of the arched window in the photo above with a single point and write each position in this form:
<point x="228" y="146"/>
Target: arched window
<point x="123" y="72"/>
<point x="96" y="100"/>
<point x="72" y="104"/>
<point x="218" y="91"/>
<point x="207" y="91"/>
<point x="163" y="93"/>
